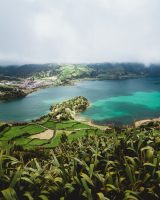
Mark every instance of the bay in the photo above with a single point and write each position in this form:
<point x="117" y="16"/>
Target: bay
<point x="112" y="101"/>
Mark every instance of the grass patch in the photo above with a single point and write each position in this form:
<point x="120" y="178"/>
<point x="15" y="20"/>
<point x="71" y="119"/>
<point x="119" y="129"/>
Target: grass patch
<point x="33" y="129"/>
<point x="50" y="125"/>
<point x="71" y="125"/>
<point x="37" y="142"/>
<point x="22" y="141"/>
<point x="73" y="129"/>
<point x="18" y="131"/>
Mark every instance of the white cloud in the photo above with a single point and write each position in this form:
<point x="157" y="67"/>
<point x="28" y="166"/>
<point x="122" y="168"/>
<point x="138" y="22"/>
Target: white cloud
<point x="80" y="30"/>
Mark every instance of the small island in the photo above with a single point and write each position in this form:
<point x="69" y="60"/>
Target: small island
<point x="67" y="109"/>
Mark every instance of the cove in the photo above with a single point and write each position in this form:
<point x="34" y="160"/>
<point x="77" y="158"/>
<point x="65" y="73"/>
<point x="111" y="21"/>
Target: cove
<point x="112" y="101"/>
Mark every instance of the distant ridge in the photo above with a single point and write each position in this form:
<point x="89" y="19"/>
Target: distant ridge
<point x="104" y="70"/>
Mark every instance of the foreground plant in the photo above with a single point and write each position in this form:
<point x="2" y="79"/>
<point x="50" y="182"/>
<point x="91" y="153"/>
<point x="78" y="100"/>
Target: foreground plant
<point x="116" y="166"/>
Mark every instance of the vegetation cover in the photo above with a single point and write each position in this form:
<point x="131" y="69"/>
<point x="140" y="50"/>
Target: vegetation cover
<point x="79" y="161"/>
<point x="67" y="72"/>
<point x="10" y="92"/>
<point x="67" y="109"/>
<point x="116" y="165"/>
<point x="44" y="75"/>
<point x="21" y="133"/>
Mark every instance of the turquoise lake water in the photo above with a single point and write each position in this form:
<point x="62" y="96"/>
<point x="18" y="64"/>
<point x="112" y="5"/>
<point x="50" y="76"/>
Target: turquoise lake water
<point x="112" y="101"/>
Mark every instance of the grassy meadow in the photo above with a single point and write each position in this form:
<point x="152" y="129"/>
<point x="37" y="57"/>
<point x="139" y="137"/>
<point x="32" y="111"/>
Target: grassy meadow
<point x="21" y="134"/>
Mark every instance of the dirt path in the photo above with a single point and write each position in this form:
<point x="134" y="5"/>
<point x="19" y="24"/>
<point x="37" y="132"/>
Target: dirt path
<point x="46" y="135"/>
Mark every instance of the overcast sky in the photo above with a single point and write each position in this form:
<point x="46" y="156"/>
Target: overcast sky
<point x="38" y="31"/>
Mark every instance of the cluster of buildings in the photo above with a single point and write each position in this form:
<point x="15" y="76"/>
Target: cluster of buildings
<point x="30" y="83"/>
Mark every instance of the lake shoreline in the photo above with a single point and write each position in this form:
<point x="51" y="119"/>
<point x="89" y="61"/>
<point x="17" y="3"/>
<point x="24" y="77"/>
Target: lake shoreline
<point x="138" y="103"/>
<point x="90" y="123"/>
<point x="78" y="118"/>
<point x="108" y="126"/>
<point x="71" y="82"/>
<point x="136" y="124"/>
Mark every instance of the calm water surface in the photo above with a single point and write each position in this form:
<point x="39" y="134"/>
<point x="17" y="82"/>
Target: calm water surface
<point x="112" y="101"/>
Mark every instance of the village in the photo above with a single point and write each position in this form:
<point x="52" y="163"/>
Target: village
<point x="29" y="83"/>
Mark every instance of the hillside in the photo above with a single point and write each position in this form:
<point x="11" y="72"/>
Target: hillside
<point x="28" y="70"/>
<point x="77" y="71"/>
<point x="27" y="78"/>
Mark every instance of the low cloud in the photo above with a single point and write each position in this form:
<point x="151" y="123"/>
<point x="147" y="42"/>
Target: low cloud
<point x="79" y="31"/>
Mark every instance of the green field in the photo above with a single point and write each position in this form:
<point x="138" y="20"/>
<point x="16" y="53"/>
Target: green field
<point x="66" y="125"/>
<point x="20" y="131"/>
<point x="21" y="134"/>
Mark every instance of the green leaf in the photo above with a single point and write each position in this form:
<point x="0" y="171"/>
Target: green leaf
<point x="87" y="189"/>
<point x="28" y="195"/>
<point x="130" y="174"/>
<point x="58" y="179"/>
<point x="16" y="178"/>
<point x="111" y="187"/>
<point x="43" y="197"/>
<point x="9" y="194"/>
<point x="101" y="196"/>
<point x="91" y="168"/>
<point x="131" y="195"/>
<point x="69" y="187"/>
<point x="87" y="178"/>
<point x="27" y="180"/>
<point x="131" y="160"/>
<point x="149" y="165"/>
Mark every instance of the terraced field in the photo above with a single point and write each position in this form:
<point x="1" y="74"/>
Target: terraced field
<point x="22" y="135"/>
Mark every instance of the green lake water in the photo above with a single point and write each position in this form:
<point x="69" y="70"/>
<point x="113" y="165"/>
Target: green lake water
<point x="112" y="101"/>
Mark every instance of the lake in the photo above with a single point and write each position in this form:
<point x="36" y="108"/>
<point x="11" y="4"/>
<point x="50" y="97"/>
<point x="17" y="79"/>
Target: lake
<point x="112" y="101"/>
